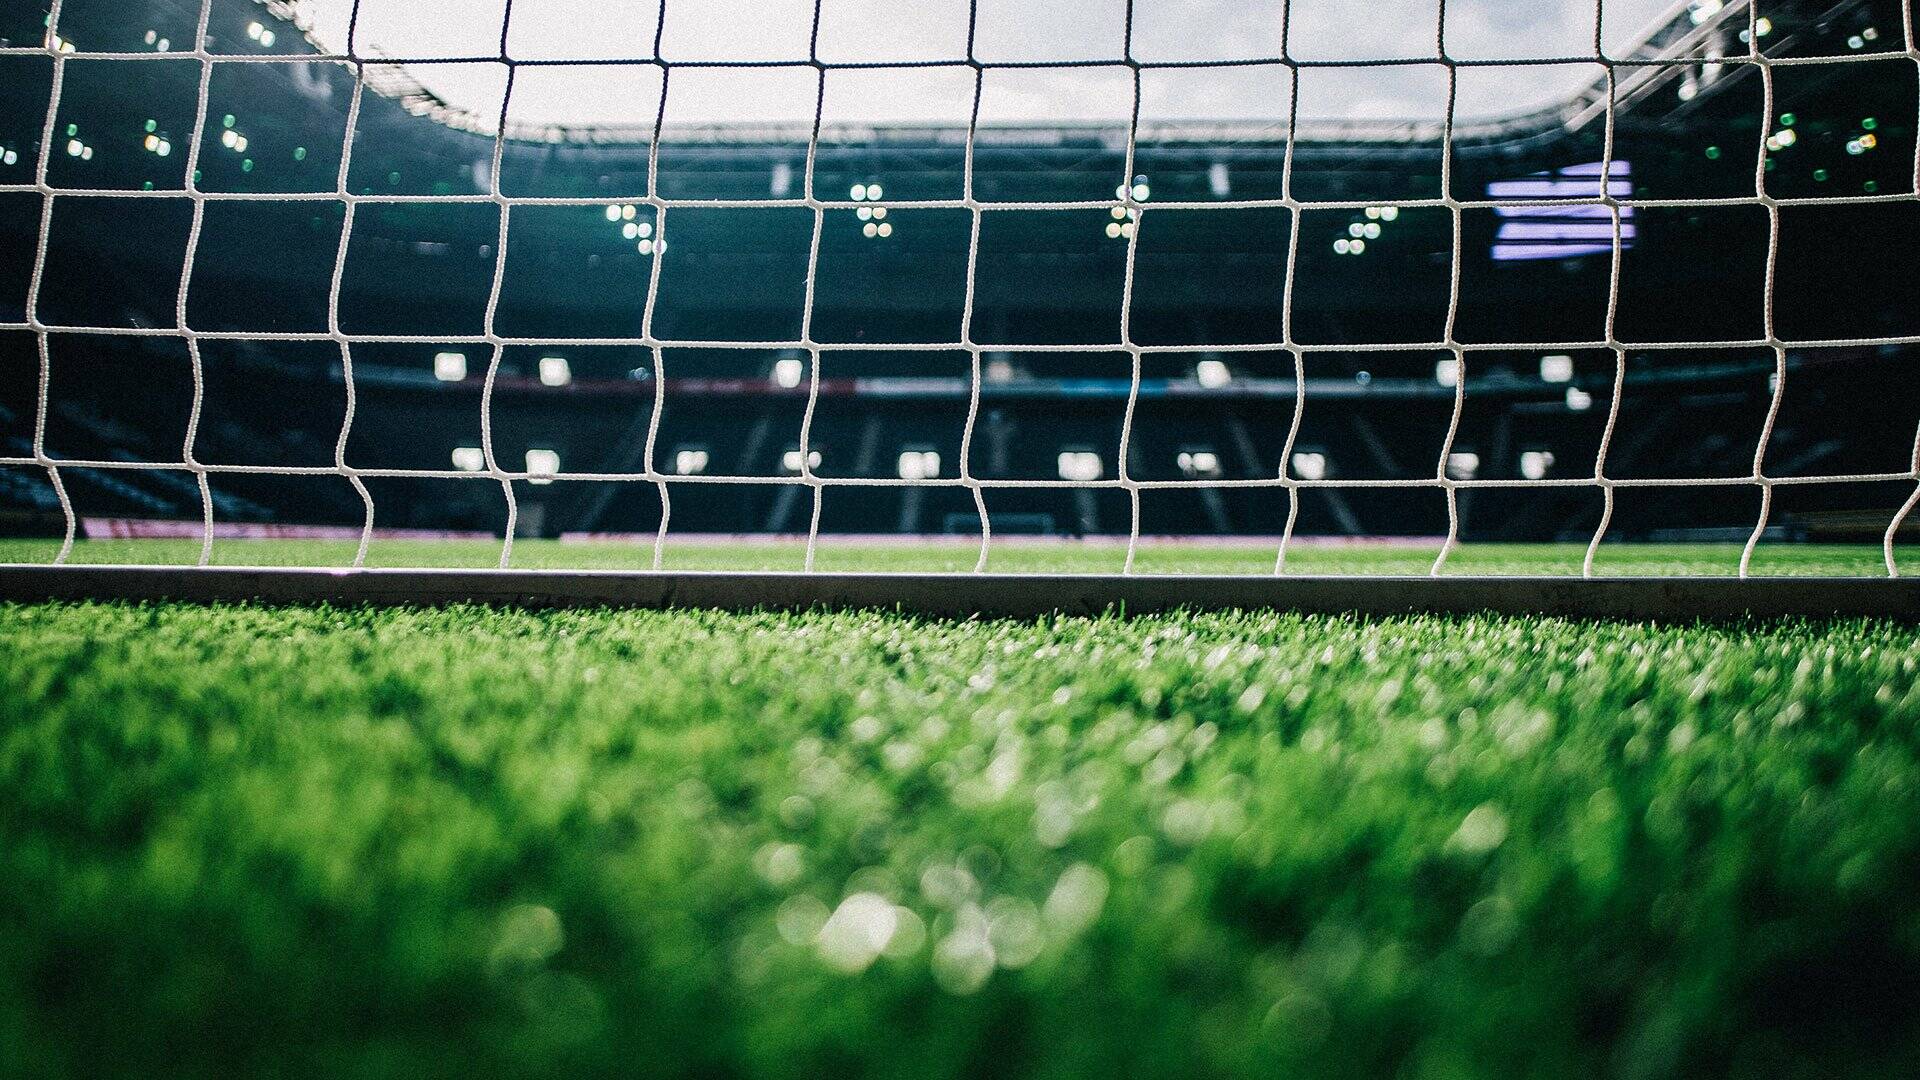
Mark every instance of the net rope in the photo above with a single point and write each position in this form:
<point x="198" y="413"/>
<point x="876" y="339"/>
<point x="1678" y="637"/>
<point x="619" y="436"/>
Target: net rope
<point x="1136" y="210"/>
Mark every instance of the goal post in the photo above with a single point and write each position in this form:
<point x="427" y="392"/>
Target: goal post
<point x="1611" y="314"/>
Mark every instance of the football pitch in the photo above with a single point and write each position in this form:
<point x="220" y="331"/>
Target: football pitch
<point x="469" y="841"/>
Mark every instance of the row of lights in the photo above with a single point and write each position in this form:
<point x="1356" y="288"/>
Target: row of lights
<point x="452" y="367"/>
<point x="1078" y="466"/>
<point x="542" y="464"/>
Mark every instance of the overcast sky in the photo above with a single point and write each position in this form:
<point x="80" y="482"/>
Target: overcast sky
<point x="1008" y="30"/>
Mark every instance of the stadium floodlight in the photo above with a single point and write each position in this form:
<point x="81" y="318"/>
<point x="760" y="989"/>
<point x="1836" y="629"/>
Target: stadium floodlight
<point x="1212" y="374"/>
<point x="919" y="464"/>
<point x="695" y="335"/>
<point x="1198" y="464"/>
<point x="1080" y="466"/>
<point x="542" y="466"/>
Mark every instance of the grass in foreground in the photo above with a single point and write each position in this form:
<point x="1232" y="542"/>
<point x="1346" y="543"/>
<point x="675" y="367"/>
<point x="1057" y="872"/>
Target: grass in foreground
<point x="468" y="842"/>
<point x="954" y="555"/>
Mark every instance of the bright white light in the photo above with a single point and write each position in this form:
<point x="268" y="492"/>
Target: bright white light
<point x="1140" y="192"/>
<point x="1373" y="213"/>
<point x="1535" y="464"/>
<point x="1854" y="42"/>
<point x="1199" y="462"/>
<point x="645" y="247"/>
<point x="10" y="157"/>
<point x="613" y="212"/>
<point x="266" y="39"/>
<point x="152" y="36"/>
<point x="886" y="228"/>
<point x="644" y="228"/>
<point x="1310" y="465"/>
<point x="227" y="138"/>
<point x="787" y="371"/>
<point x="1704" y="10"/>
<point x="1556" y="368"/>
<point x="1356" y="229"/>
<point x="469" y="458"/>
<point x="628" y="211"/>
<point x="86" y="153"/>
<point x="879" y="213"/>
<point x="1463" y="464"/>
<point x="790" y="461"/>
<point x="1218" y="180"/>
<point x="449" y="366"/>
<point x="999" y="369"/>
<point x="1447" y="372"/>
<point x="1389" y="213"/>
<point x="1080" y="466"/>
<point x="163" y="149"/>
<point x="1212" y="374"/>
<point x="865" y="213"/>
<point x="1578" y="400"/>
<point x="542" y="466"/>
<point x="1373" y="230"/>
<point x="254" y="30"/>
<point x="1785" y="137"/>
<point x="782" y="180"/>
<point x="690" y="462"/>
<point x="74" y="147"/>
<point x="240" y="144"/>
<point x="1763" y="26"/>
<point x="919" y="464"/>
<point x="1113" y="228"/>
<point x="1340" y="246"/>
<point x="1127" y="229"/>
<point x="873" y="192"/>
<point x="869" y="229"/>
<point x="630" y="230"/>
<point x="152" y="142"/>
<point x="858" y="193"/>
<point x="1119" y="213"/>
<point x="555" y="371"/>
<point x="1357" y="247"/>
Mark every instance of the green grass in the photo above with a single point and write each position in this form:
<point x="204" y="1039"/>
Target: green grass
<point x="313" y="842"/>
<point x="1008" y="555"/>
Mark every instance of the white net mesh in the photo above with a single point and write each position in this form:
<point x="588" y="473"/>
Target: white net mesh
<point x="1597" y="194"/>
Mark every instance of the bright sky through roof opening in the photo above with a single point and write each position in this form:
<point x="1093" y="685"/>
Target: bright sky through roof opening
<point x="1008" y="30"/>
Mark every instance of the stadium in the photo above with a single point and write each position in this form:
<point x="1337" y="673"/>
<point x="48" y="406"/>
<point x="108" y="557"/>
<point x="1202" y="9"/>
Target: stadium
<point x="1243" y="383"/>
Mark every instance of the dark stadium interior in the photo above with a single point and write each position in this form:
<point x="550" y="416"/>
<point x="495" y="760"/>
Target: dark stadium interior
<point x="1204" y="279"/>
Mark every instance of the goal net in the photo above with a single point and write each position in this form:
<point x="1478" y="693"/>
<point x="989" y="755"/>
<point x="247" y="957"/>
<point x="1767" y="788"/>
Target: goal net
<point x="1419" y="273"/>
